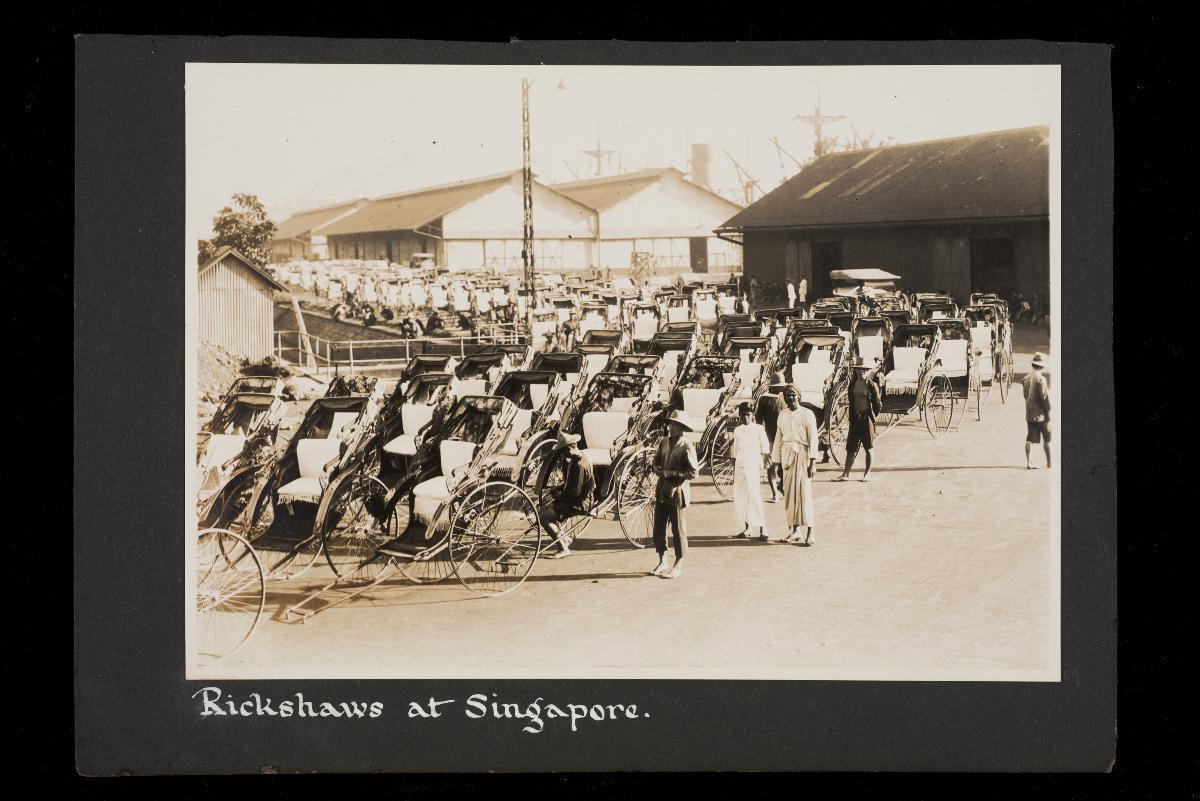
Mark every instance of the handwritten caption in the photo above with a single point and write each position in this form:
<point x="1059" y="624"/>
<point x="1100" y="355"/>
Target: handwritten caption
<point x="533" y="715"/>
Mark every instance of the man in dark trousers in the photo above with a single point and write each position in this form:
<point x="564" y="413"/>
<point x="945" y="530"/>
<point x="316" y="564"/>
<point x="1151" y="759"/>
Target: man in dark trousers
<point x="1037" y="409"/>
<point x="576" y="496"/>
<point x="865" y="403"/>
<point x="675" y="464"/>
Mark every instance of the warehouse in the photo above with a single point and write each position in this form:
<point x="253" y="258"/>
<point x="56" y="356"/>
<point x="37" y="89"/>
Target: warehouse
<point x="661" y="213"/>
<point x="960" y="215"/>
<point x="300" y="237"/>
<point x="237" y="305"/>
<point x="469" y="225"/>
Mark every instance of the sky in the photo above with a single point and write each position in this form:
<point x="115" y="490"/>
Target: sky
<point x="300" y="136"/>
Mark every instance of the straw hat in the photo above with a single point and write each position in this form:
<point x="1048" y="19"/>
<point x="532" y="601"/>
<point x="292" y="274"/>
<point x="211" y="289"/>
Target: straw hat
<point x="680" y="419"/>
<point x="566" y="440"/>
<point x="1039" y="359"/>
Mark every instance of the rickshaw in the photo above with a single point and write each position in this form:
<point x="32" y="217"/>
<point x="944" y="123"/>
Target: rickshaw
<point x="448" y="515"/>
<point x="404" y="414"/>
<point x="563" y="307"/>
<point x="896" y="317"/>
<point x="675" y="349"/>
<point x="233" y="447"/>
<point x="936" y="309"/>
<point x="957" y="360"/>
<point x="1003" y="343"/>
<point x="544" y="323"/>
<point x="869" y="338"/>
<point x="706" y="311"/>
<point x="757" y="355"/>
<point x="519" y="355"/>
<point x="592" y="315"/>
<point x="737" y="325"/>
<point x="821" y="309"/>
<point x="536" y="396"/>
<point x="818" y="371"/>
<point x="995" y="369"/>
<point x="478" y="371"/>
<point x="425" y="363"/>
<point x="677" y="308"/>
<point x="642" y="321"/>
<point x="909" y="383"/>
<point x="638" y="363"/>
<point x="611" y="337"/>
<point x="613" y="419"/>
<point x="704" y="392"/>
<point x="288" y="513"/>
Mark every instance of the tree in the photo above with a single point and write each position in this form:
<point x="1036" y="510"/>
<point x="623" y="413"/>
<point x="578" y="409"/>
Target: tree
<point x="247" y="229"/>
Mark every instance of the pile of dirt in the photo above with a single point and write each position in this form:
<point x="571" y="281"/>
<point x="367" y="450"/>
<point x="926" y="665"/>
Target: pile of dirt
<point x="218" y="368"/>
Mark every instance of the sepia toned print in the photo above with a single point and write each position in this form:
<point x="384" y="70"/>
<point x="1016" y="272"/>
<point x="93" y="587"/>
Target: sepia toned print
<point x="466" y="341"/>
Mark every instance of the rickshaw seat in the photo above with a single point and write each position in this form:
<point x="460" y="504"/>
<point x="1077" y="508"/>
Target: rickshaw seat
<point x="311" y="456"/>
<point x="429" y="494"/>
<point x="412" y="417"/>
<point x="340" y="421"/>
<point x="697" y="403"/>
<point x="870" y="348"/>
<point x="677" y="314"/>
<point x="470" y="386"/>
<point x="624" y="405"/>
<point x="706" y="310"/>
<point x="521" y="423"/>
<point x="538" y="394"/>
<point x="223" y="447"/>
<point x="600" y="431"/>
<point x="727" y="303"/>
<point x="810" y="376"/>
<point x="645" y="327"/>
<point x="953" y="356"/>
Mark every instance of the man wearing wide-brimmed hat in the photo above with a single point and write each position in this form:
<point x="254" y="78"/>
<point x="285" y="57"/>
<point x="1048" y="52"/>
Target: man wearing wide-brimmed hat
<point x="1037" y="408"/>
<point x="865" y="402"/>
<point x="675" y="464"/>
<point x="795" y="450"/>
<point x="576" y="496"/>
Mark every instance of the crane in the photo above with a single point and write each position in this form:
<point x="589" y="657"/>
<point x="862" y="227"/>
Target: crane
<point x="749" y="183"/>
<point x="571" y="170"/>
<point x="782" y="152"/>
<point x="816" y="120"/>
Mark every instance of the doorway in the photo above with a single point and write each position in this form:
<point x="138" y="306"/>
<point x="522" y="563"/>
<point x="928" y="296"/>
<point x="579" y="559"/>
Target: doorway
<point x="826" y="256"/>
<point x="698" y="248"/>
<point x="992" y="266"/>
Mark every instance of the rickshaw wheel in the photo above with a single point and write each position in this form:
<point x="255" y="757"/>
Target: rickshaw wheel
<point x="535" y="460"/>
<point x="495" y="537"/>
<point x="720" y="459"/>
<point x="838" y="429"/>
<point x="1006" y="377"/>
<point x="349" y="534"/>
<point x="939" y="406"/>
<point x="549" y="487"/>
<point x="424" y="571"/>
<point x="635" y="498"/>
<point x="231" y="591"/>
<point x="978" y="403"/>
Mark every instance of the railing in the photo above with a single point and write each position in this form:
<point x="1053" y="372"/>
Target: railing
<point x="326" y="356"/>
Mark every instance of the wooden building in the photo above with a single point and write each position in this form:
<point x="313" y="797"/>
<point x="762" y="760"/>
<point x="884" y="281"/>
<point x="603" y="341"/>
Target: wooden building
<point x="472" y="224"/>
<point x="661" y="213"/>
<point x="300" y="236"/>
<point x="964" y="214"/>
<point x="237" y="305"/>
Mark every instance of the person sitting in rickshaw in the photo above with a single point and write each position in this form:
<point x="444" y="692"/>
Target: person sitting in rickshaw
<point x="576" y="496"/>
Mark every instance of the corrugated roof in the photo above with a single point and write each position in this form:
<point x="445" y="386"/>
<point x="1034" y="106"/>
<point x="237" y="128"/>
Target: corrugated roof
<point x="407" y="211"/>
<point x="1005" y="174"/>
<point x="228" y="250"/>
<point x="607" y="191"/>
<point x="304" y="221"/>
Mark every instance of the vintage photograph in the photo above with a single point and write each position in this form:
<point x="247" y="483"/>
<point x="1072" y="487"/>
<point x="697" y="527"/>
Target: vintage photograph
<point x="623" y="372"/>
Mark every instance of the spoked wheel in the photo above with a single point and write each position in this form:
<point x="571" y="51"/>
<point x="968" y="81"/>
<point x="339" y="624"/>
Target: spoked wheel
<point x="1006" y="377"/>
<point x="550" y="486"/>
<point x="939" y="406"/>
<point x="839" y="428"/>
<point x="350" y="534"/>
<point x="635" y="498"/>
<point x="495" y="537"/>
<point x="720" y="459"/>
<point x="259" y="523"/>
<point x="231" y="591"/>
<point x="535" y="460"/>
<point x="430" y="570"/>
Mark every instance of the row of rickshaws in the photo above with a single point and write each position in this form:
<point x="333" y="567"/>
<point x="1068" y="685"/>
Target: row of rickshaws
<point x="442" y="472"/>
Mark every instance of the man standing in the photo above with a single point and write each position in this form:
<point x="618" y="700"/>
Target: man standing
<point x="802" y="291"/>
<point x="791" y="292"/>
<point x="865" y="402"/>
<point x="576" y="496"/>
<point x="750" y="445"/>
<point x="675" y="464"/>
<point x="1037" y="409"/>
<point x="795" y="444"/>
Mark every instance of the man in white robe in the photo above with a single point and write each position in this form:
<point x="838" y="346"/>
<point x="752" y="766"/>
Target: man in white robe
<point x="795" y="448"/>
<point x="750" y="445"/>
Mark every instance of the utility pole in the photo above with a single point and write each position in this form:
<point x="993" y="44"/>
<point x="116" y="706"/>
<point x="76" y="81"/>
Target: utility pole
<point x="816" y="120"/>
<point x="527" y="197"/>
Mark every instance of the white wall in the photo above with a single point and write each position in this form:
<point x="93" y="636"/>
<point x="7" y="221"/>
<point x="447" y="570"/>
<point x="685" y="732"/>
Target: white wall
<point x="500" y="215"/>
<point x="671" y="207"/>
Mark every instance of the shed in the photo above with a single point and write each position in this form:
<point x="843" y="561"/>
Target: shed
<point x="237" y="305"/>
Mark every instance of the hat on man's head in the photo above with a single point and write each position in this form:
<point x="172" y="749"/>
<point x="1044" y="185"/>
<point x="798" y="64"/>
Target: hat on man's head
<point x="778" y="381"/>
<point x="566" y="440"/>
<point x="1039" y="359"/>
<point x="679" y="418"/>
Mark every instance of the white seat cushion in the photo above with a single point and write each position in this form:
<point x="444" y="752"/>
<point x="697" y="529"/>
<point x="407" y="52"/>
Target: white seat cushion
<point x="727" y="303"/>
<point x="900" y="382"/>
<point x="595" y="363"/>
<point x="538" y="393"/>
<point x="953" y="356"/>
<point x="403" y="445"/>
<point x="413" y="416"/>
<point x="454" y="454"/>
<point x="697" y="403"/>
<point x="677" y="314"/>
<point x="340" y="421"/>
<point x="311" y="457"/>
<point x="907" y="359"/>
<point x="748" y="373"/>
<point x="222" y="448"/>
<point x="598" y="456"/>
<point x="601" y="430"/>
<point x="622" y="405"/>
<point x="810" y="377"/>
<point x="307" y="490"/>
<point x="470" y="386"/>
<point x="670" y="362"/>
<point x="521" y="423"/>
<point x="428" y="496"/>
<point x="706" y="310"/>
<point x="818" y="356"/>
<point x="870" y="348"/>
<point x="645" y="326"/>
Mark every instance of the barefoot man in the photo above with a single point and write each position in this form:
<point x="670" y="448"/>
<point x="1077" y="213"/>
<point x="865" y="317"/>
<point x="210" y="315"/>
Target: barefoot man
<point x="1037" y="409"/>
<point x="864" y="403"/>
<point x="794" y="449"/>
<point x="675" y="464"/>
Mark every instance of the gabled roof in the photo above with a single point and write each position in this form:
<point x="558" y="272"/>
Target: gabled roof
<point x="1004" y="174"/>
<point x="302" y="222"/>
<point x="229" y="251"/>
<point x="408" y="211"/>
<point x="607" y="191"/>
